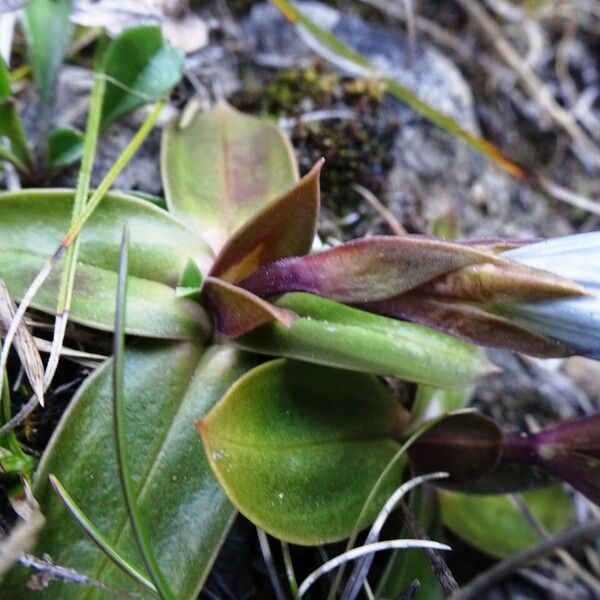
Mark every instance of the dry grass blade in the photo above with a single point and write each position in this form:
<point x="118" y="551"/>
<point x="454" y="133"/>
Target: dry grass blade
<point x="531" y="82"/>
<point x="355" y="553"/>
<point x="23" y="535"/>
<point x="574" y="535"/>
<point x="263" y="541"/>
<point x="24" y="344"/>
<point x="393" y="223"/>
<point x="361" y="570"/>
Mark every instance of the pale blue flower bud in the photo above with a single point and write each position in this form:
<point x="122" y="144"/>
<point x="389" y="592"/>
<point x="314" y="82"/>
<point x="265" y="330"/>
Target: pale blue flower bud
<point x="575" y="322"/>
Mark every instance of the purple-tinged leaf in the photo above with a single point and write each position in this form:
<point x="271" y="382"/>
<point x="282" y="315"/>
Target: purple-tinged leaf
<point x="285" y="227"/>
<point x="365" y="269"/>
<point x="236" y="311"/>
<point x="467" y="322"/>
<point x="570" y="450"/>
<point x="466" y="445"/>
<point x="219" y="167"/>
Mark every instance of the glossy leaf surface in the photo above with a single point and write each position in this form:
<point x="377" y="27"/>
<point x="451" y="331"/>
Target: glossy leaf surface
<point x="220" y="167"/>
<point x="145" y="65"/>
<point x="167" y="387"/>
<point x="332" y="334"/>
<point x="285" y="227"/>
<point x="48" y="30"/>
<point x="32" y="223"/>
<point x="495" y="525"/>
<point x="298" y="448"/>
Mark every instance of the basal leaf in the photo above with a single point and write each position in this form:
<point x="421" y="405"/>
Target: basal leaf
<point x="220" y="167"/>
<point x="298" y="448"/>
<point x="32" y="223"/>
<point x="496" y="526"/>
<point x="167" y="387"/>
<point x="236" y="311"/>
<point x="48" y="30"/>
<point x="142" y="68"/>
<point x="332" y="334"/>
<point x="285" y="227"/>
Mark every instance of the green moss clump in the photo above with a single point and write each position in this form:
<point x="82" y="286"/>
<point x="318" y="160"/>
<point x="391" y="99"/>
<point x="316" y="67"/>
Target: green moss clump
<point x="356" y="148"/>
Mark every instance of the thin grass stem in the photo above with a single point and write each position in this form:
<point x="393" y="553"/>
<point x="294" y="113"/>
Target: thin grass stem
<point x="137" y="525"/>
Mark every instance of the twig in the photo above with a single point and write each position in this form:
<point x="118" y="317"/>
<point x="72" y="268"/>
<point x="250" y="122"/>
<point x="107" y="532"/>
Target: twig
<point x="574" y="535"/>
<point x="385" y="213"/>
<point x="438" y="564"/>
<point x="531" y="82"/>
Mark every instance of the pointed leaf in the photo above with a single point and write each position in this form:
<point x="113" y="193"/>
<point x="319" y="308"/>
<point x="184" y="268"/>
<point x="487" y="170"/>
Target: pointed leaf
<point x="48" y="30"/>
<point x="502" y="283"/>
<point x="143" y="68"/>
<point x="167" y="387"/>
<point x="11" y="125"/>
<point x="332" y="334"/>
<point x="496" y="526"/>
<point x="468" y="322"/>
<point x="285" y="227"/>
<point x="236" y="311"/>
<point x="219" y="167"/>
<point x="466" y="445"/>
<point x="365" y="269"/>
<point x="65" y="146"/>
<point x="32" y="223"/>
<point x="299" y="447"/>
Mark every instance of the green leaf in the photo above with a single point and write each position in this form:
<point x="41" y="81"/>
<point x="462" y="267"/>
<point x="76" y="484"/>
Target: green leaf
<point x="332" y="334"/>
<point x="48" y="30"/>
<point x="167" y="387"/>
<point x="34" y="222"/>
<point x="144" y="67"/>
<point x="11" y="125"/>
<point x="298" y="448"/>
<point x="495" y="525"/>
<point x="220" y="167"/>
<point x="65" y="147"/>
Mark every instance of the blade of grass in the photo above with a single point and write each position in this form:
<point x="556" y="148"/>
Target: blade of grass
<point x="24" y="345"/>
<point x="357" y="63"/>
<point x="90" y="141"/>
<point x="401" y="452"/>
<point x="359" y="574"/>
<point x="333" y="49"/>
<point x="355" y="553"/>
<point x="75" y="228"/>
<point x="97" y="537"/>
<point x="127" y="486"/>
<point x="289" y="568"/>
<point x="263" y="541"/>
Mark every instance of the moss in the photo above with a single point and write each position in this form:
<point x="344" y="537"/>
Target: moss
<point x="357" y="149"/>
